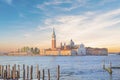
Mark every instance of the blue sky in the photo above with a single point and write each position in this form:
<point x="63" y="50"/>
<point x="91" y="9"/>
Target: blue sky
<point x="95" y="23"/>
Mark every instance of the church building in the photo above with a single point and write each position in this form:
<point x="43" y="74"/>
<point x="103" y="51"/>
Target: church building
<point x="70" y="50"/>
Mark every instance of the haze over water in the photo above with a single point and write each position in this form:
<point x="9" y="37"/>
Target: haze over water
<point x="72" y="67"/>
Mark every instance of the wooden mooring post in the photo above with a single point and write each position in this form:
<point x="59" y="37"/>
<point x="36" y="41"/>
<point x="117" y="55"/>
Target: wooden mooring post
<point x="14" y="73"/>
<point x="18" y="71"/>
<point x="23" y="66"/>
<point x="24" y="74"/>
<point x="5" y="74"/>
<point x="0" y="69"/>
<point x="48" y="74"/>
<point x="11" y="74"/>
<point x="27" y="72"/>
<point x="108" y="69"/>
<point x="17" y="75"/>
<point x="37" y="69"/>
<point x="8" y="72"/>
<point x="31" y="72"/>
<point x="2" y="72"/>
<point x="39" y="75"/>
<point x="43" y="75"/>
<point x="58" y="72"/>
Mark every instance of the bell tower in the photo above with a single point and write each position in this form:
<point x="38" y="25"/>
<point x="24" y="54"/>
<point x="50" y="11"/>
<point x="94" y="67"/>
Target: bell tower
<point x="53" y="40"/>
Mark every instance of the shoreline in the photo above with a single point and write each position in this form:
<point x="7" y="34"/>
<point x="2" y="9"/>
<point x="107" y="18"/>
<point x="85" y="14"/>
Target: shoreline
<point x="26" y="54"/>
<point x="53" y="55"/>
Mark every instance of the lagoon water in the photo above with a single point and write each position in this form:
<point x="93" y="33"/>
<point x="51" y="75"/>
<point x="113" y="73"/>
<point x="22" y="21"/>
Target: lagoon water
<point x="72" y="67"/>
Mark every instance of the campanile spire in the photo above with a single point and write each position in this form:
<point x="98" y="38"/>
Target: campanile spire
<point x="53" y="39"/>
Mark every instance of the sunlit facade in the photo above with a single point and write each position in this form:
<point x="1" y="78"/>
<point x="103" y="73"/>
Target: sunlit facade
<point x="71" y="49"/>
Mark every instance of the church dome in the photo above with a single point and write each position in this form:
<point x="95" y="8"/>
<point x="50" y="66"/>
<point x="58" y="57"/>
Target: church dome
<point x="81" y="45"/>
<point x="71" y="43"/>
<point x="82" y="50"/>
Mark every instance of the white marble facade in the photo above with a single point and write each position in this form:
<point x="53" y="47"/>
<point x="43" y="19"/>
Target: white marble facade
<point x="81" y="50"/>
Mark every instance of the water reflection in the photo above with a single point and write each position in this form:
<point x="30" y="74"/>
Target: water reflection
<point x="111" y="77"/>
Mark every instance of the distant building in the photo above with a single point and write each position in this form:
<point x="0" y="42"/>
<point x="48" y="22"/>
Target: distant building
<point x="96" y="51"/>
<point x="62" y="50"/>
<point x="71" y="44"/>
<point x="82" y="50"/>
<point x="71" y="49"/>
<point x="53" y="40"/>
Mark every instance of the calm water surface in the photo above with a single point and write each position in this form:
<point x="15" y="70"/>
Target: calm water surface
<point x="72" y="67"/>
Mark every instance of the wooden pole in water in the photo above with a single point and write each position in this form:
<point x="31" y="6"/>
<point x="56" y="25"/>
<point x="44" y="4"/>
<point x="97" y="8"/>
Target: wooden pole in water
<point x="6" y="71"/>
<point x="58" y="72"/>
<point x="110" y="64"/>
<point x="43" y="74"/>
<point x="48" y="74"/>
<point x="6" y="67"/>
<point x="2" y="71"/>
<point x="31" y="72"/>
<point x="13" y="72"/>
<point x="17" y="75"/>
<point x="110" y="71"/>
<point x="39" y="75"/>
<point x="5" y="74"/>
<point x="15" y="67"/>
<point x="37" y="69"/>
<point x="24" y="74"/>
<point x="8" y="75"/>
<point x="103" y="64"/>
<point x="23" y="66"/>
<point x="27" y="72"/>
<point x="18" y="71"/>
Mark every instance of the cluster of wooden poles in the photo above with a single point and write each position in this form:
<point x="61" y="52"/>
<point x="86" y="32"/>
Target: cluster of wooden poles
<point x="108" y="69"/>
<point x="13" y="73"/>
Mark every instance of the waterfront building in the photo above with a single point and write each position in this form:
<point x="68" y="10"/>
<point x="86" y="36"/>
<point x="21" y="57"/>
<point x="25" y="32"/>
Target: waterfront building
<point x="72" y="49"/>
<point x="96" y="51"/>
<point x="64" y="50"/>
<point x="81" y="50"/>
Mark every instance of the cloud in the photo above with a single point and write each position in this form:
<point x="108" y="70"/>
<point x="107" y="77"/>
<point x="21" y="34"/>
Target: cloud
<point x="48" y="24"/>
<point x="27" y="35"/>
<point x="21" y="15"/>
<point x="40" y="28"/>
<point x="9" y="2"/>
<point x="69" y="5"/>
<point x="91" y="28"/>
<point x="75" y="4"/>
<point x="103" y="2"/>
<point x="56" y="4"/>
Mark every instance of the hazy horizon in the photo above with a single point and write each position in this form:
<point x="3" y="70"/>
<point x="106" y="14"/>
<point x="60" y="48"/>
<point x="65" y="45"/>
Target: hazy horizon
<point x="29" y="23"/>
